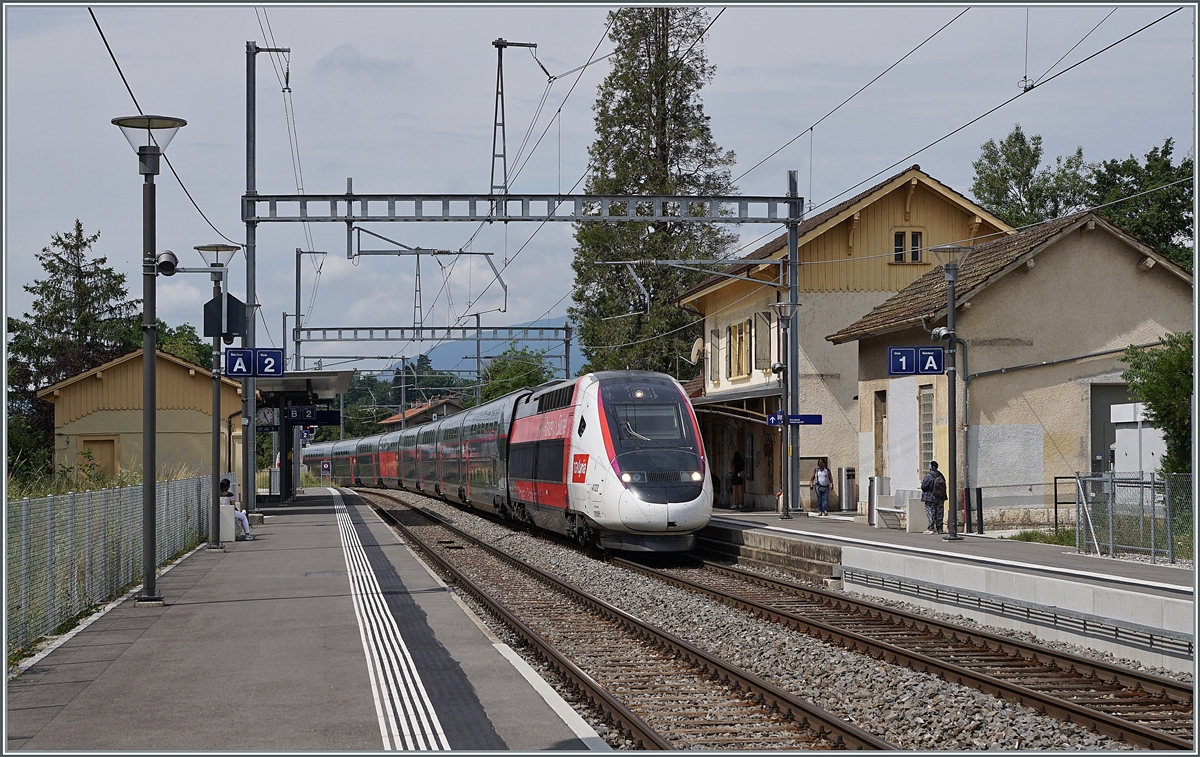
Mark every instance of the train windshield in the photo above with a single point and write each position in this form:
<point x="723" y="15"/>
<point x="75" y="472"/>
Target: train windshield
<point x="649" y="423"/>
<point x="646" y="414"/>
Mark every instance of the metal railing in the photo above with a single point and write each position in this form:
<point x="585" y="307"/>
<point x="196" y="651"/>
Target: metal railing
<point x="1150" y="515"/>
<point x="69" y="553"/>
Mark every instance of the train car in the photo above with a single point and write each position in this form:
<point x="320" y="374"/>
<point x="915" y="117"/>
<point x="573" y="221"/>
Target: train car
<point x="388" y="465"/>
<point x="612" y="458"/>
<point x="315" y="454"/>
<point x="343" y="462"/>
<point x="366" y="458"/>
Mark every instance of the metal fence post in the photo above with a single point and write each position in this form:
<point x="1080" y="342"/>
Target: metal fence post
<point x="25" y="563"/>
<point x="1153" y="516"/>
<point x="1112" y="503"/>
<point x="1170" y="515"/>
<point x="71" y="584"/>
<point x="50" y="603"/>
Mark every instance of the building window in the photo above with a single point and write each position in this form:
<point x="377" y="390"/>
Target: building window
<point x="926" y="395"/>
<point x="714" y="353"/>
<point x="739" y="349"/>
<point x="907" y="246"/>
<point x="762" y="341"/>
<point x="729" y="352"/>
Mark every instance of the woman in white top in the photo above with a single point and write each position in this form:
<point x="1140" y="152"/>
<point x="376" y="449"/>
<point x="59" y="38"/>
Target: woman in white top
<point x="822" y="482"/>
<point x="228" y="499"/>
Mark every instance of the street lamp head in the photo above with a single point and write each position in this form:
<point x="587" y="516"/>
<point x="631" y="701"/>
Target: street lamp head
<point x="778" y="368"/>
<point x="217" y="254"/>
<point x="941" y="333"/>
<point x="149" y="131"/>
<point x="952" y="257"/>
<point x="166" y="263"/>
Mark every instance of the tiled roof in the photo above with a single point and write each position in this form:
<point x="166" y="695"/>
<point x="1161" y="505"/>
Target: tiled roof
<point x="694" y="388"/>
<point x="780" y="242"/>
<point x="414" y="411"/>
<point x="926" y="297"/>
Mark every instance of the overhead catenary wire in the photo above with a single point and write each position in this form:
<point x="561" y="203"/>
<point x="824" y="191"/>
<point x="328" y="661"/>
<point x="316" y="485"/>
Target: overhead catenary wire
<point x="1077" y="44"/>
<point x="142" y="113"/>
<point x="998" y="107"/>
<point x="848" y="99"/>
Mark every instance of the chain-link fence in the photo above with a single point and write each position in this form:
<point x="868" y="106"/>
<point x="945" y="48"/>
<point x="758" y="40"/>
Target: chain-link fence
<point x="69" y="553"/>
<point x="1122" y="514"/>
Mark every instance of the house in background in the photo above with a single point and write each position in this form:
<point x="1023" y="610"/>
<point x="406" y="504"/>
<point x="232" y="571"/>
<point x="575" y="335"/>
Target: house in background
<point x="101" y="411"/>
<point x="1046" y="314"/>
<point x="430" y="411"/>
<point x="853" y="257"/>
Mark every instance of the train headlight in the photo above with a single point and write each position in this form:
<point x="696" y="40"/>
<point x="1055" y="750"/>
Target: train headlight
<point x="634" y="477"/>
<point x="626" y="477"/>
<point x="696" y="476"/>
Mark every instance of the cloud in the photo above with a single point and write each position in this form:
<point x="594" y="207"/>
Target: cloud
<point x="348" y="59"/>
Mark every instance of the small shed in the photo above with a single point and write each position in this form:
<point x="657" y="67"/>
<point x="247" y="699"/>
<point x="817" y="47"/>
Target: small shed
<point x="100" y="411"/>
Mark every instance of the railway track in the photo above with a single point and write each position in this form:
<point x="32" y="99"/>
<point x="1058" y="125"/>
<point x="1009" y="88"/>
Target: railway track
<point x="662" y="692"/>
<point x="1140" y="708"/>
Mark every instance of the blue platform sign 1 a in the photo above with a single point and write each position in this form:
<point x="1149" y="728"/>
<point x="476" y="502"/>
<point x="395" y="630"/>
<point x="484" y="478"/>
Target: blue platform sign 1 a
<point x="931" y="360"/>
<point x="902" y="361"/>
<point x="239" y="363"/>
<point x="268" y="361"/>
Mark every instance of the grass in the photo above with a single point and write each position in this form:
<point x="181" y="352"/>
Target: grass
<point x="86" y="476"/>
<point x="1064" y="537"/>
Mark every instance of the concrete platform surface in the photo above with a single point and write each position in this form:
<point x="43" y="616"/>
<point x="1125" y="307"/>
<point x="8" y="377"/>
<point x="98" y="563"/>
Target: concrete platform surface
<point x="324" y="633"/>
<point x="1020" y="556"/>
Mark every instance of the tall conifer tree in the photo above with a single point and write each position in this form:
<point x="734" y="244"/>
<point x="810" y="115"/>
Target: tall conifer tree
<point x="652" y="138"/>
<point x="81" y="319"/>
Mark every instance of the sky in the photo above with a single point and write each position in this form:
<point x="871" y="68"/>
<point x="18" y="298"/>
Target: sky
<point x="400" y="99"/>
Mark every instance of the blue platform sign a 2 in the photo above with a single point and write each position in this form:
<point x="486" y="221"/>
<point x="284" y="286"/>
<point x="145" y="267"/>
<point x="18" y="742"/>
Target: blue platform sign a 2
<point x="931" y="360"/>
<point x="902" y="361"/>
<point x="239" y="363"/>
<point x="268" y="362"/>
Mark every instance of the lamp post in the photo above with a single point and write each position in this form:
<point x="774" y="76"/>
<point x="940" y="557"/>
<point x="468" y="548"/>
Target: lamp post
<point x="790" y="405"/>
<point x="149" y="136"/>
<point x="217" y="256"/>
<point x="951" y="257"/>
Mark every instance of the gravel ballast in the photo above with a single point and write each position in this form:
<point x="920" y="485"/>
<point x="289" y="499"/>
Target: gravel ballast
<point x="912" y="710"/>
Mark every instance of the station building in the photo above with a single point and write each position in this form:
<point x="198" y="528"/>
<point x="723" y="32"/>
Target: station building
<point x="1046" y="313"/>
<point x="853" y="257"/>
<point x="100" y="411"/>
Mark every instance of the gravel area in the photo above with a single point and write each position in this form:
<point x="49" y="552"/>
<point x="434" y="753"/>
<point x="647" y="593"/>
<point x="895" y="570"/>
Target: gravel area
<point x="912" y="710"/>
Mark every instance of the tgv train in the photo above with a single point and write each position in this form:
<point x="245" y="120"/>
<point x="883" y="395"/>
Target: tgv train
<point x="612" y="458"/>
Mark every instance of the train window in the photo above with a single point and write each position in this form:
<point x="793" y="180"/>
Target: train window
<point x="648" y="423"/>
<point x="550" y="460"/>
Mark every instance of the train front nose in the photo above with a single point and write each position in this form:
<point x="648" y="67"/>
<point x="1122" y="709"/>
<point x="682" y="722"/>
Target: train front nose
<point x="639" y="514"/>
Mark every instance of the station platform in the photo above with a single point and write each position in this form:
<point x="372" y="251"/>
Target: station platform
<point x="323" y="633"/>
<point x="1136" y="610"/>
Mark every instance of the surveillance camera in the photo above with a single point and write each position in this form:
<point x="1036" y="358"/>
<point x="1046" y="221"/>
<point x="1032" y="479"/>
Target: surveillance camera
<point x="167" y="262"/>
<point x="941" y="333"/>
<point x="777" y="368"/>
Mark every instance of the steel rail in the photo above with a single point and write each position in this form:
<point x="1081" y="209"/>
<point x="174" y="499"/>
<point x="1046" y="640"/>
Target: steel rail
<point x="1104" y="671"/>
<point x="1114" y="727"/>
<point x="799" y="710"/>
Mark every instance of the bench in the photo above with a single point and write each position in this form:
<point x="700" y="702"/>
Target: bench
<point x="887" y="512"/>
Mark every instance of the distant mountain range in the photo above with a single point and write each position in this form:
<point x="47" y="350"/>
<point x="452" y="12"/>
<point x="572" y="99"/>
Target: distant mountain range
<point x="461" y="355"/>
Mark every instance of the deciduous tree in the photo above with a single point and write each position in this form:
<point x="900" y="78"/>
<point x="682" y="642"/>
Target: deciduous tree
<point x="1162" y="218"/>
<point x="1012" y="184"/>
<point x="1161" y="377"/>
<point x="513" y="369"/>
<point x="653" y="138"/>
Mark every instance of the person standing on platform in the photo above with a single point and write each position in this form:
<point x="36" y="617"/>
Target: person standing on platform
<point x="739" y="481"/>
<point x="933" y="494"/>
<point x="821" y="483"/>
